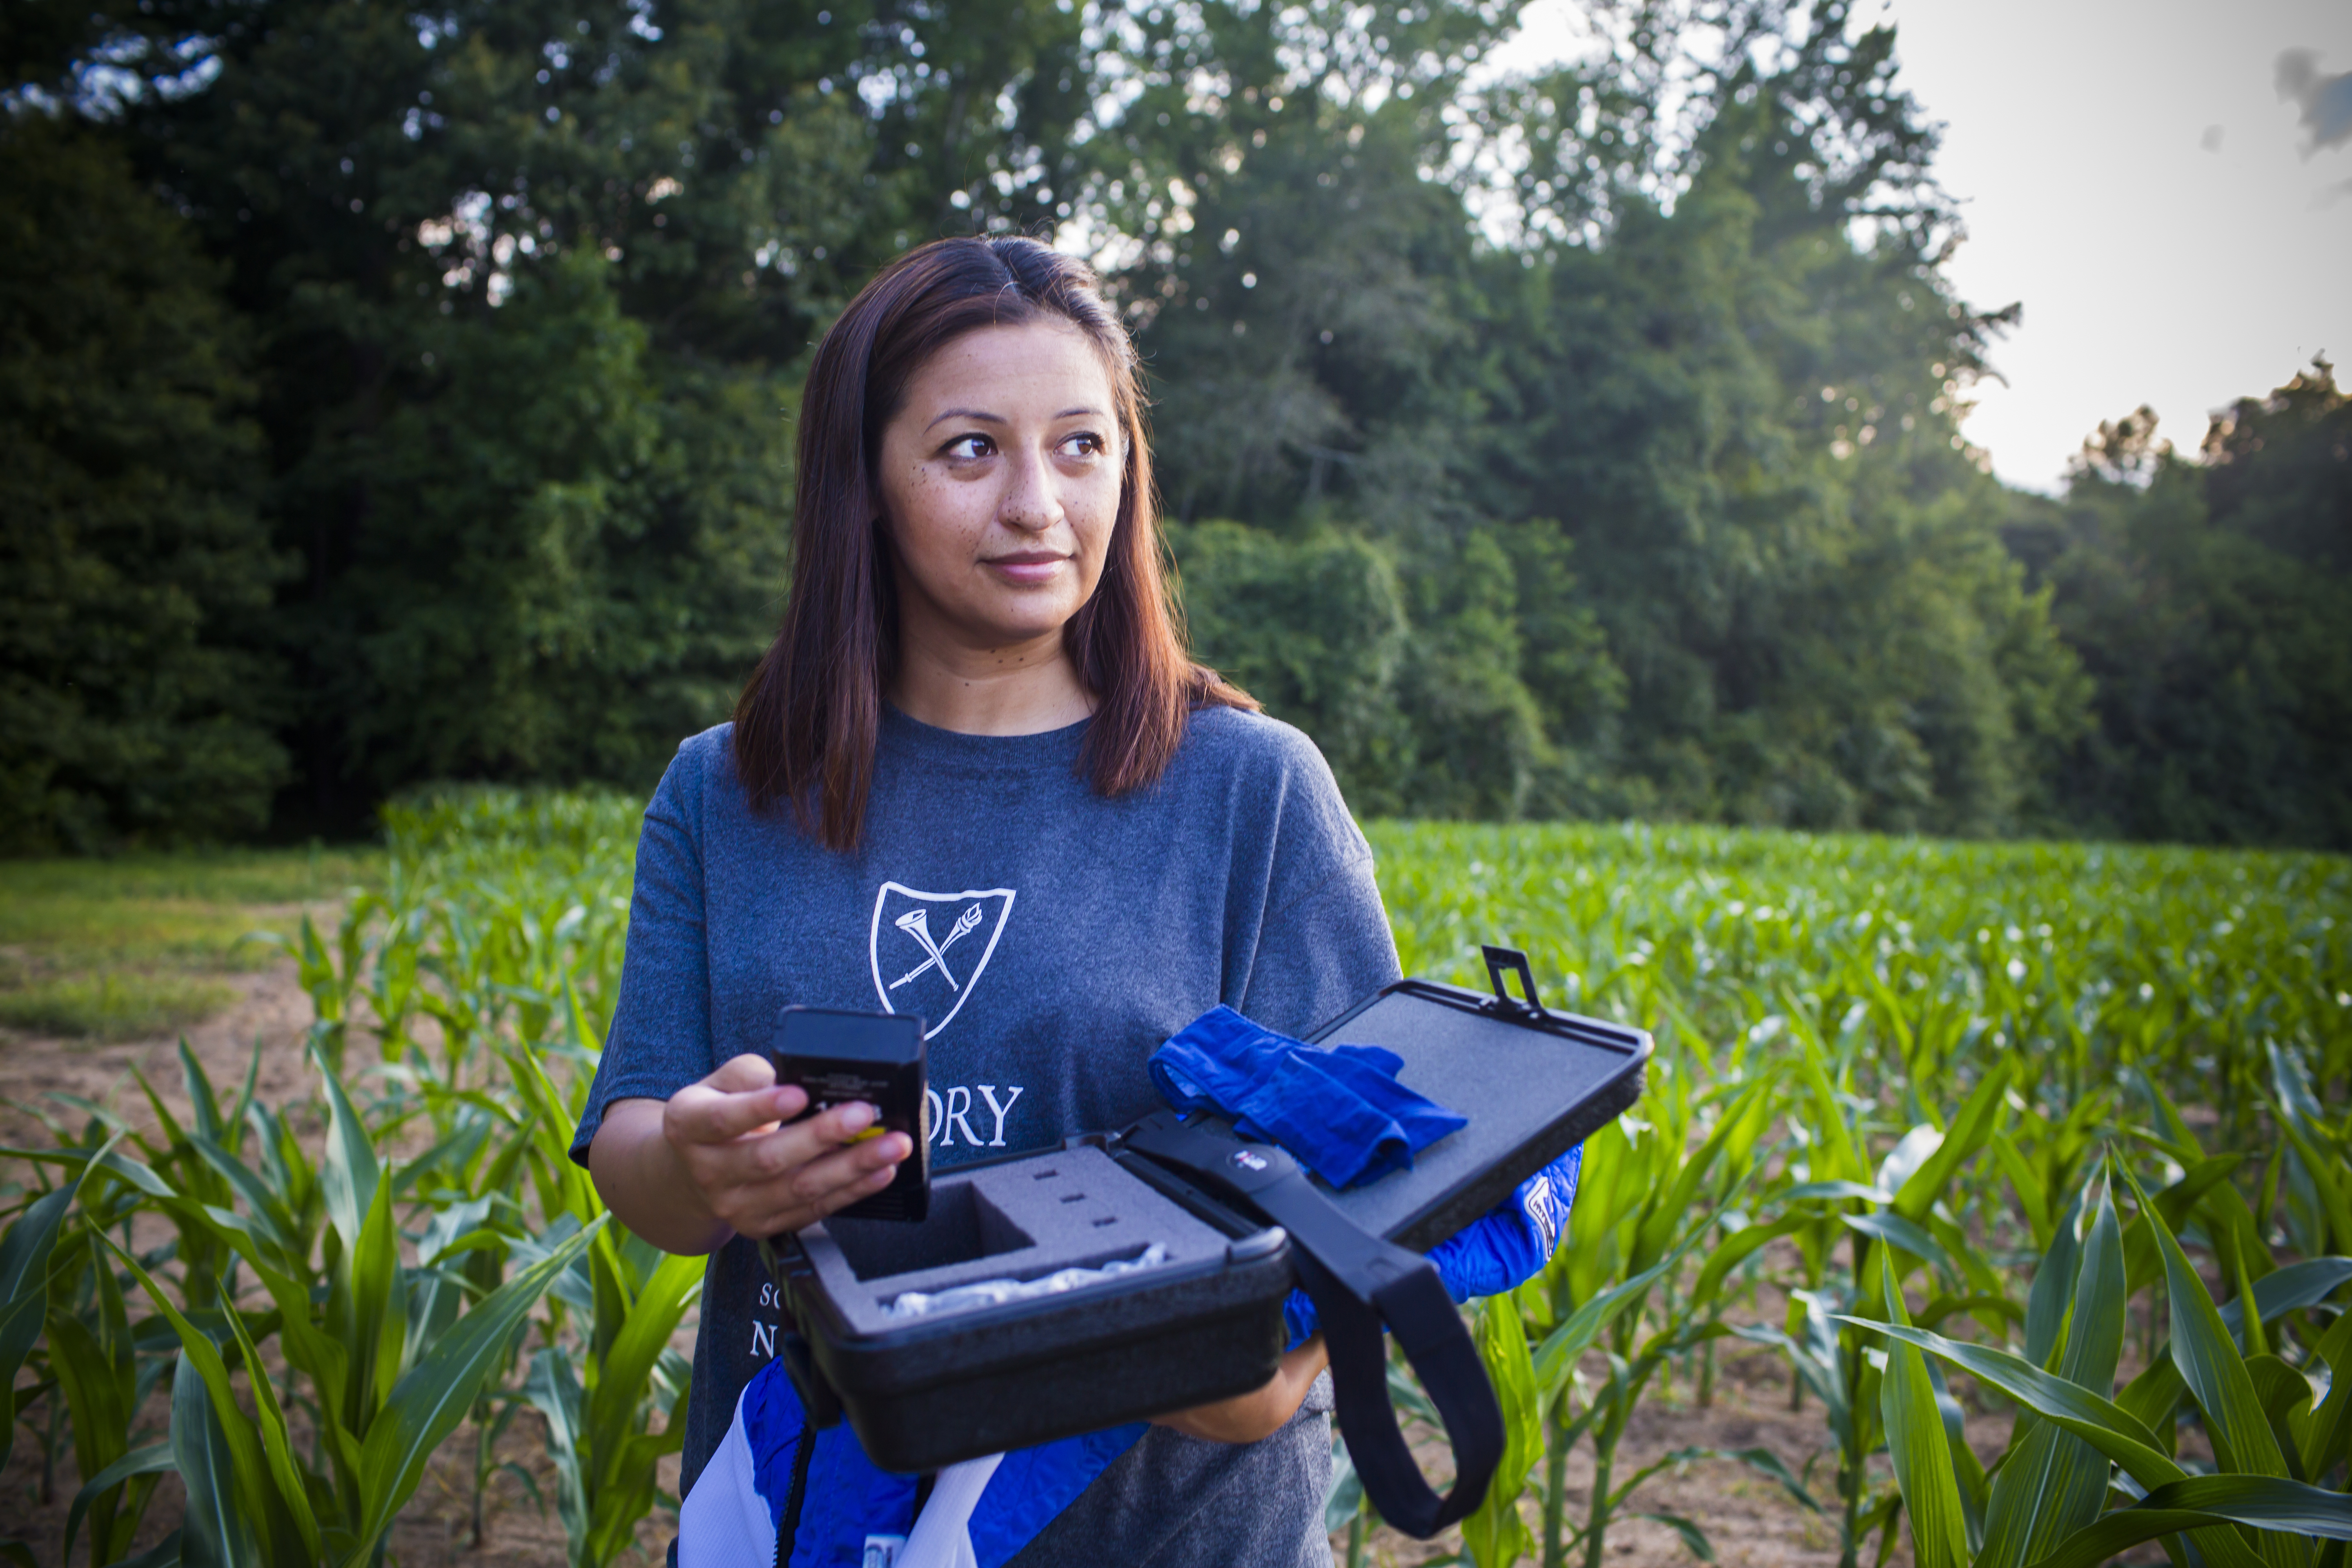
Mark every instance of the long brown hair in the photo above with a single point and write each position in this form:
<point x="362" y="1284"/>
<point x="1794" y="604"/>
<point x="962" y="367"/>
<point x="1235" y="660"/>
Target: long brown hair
<point x="806" y="723"/>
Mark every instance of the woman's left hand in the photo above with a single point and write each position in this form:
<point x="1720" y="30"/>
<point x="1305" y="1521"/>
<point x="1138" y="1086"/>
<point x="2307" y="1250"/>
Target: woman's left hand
<point x="1258" y="1415"/>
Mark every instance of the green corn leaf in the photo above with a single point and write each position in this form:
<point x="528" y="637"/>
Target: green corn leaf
<point x="1735" y="1250"/>
<point x="308" y="1348"/>
<point x="2290" y="1288"/>
<point x="1919" y="1447"/>
<point x="217" y="1531"/>
<point x="245" y="1471"/>
<point x="2286" y="1398"/>
<point x="427" y="1403"/>
<point x="2301" y="1117"/>
<point x="1841" y="1159"/>
<point x="2329" y="1434"/>
<point x="349" y="1172"/>
<point x="2210" y="1363"/>
<point x="203" y="1104"/>
<point x="2143" y="1260"/>
<point x="1656" y="1232"/>
<point x="276" y="1445"/>
<point x="2099" y="1422"/>
<point x="2153" y="1397"/>
<point x="2261" y="1502"/>
<point x="1559" y="1353"/>
<point x="378" y="1325"/>
<point x="1494" y="1534"/>
<point x="153" y="1459"/>
<point x="2054" y="1482"/>
<point x="98" y="1389"/>
<point x="1691" y="1535"/>
<point x="553" y="1389"/>
<point x="1992" y="1312"/>
<point x="629" y="1362"/>
<point x="1768" y="1463"/>
<point x="25" y="1250"/>
<point x="1814" y="1192"/>
<point x="1897" y="1231"/>
<point x="1972" y="1128"/>
<point x="2046" y="1304"/>
<point x="2032" y="1196"/>
<point x="277" y="1226"/>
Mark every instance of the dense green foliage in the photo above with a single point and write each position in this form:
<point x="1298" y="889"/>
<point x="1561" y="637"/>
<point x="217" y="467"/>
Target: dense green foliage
<point x="132" y="564"/>
<point x="1616" y="407"/>
<point x="1895" y="1081"/>
<point x="2210" y="601"/>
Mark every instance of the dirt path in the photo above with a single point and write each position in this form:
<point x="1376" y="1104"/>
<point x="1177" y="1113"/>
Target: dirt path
<point x="1751" y="1523"/>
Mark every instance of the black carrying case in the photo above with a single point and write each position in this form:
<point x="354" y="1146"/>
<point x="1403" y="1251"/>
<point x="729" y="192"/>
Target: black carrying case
<point x="1206" y="1324"/>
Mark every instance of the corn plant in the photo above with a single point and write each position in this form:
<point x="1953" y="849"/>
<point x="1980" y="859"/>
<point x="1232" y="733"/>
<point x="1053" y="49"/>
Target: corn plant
<point x="2278" y="1436"/>
<point x="1631" y="1228"/>
<point x="629" y="1298"/>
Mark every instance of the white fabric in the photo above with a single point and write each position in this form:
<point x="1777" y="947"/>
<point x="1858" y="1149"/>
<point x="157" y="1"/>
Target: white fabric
<point x="724" y="1523"/>
<point x="942" y="1533"/>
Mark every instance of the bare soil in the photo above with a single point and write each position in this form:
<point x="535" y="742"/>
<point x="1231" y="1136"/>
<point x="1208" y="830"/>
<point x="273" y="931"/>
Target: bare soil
<point x="1751" y="1523"/>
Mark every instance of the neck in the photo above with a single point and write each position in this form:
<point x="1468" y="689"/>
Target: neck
<point x="1021" y="689"/>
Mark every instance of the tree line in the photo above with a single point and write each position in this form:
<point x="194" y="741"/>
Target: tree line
<point x="391" y="395"/>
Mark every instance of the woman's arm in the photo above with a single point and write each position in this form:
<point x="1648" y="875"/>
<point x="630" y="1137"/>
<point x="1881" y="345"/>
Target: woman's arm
<point x="721" y="1158"/>
<point x="1260" y="1413"/>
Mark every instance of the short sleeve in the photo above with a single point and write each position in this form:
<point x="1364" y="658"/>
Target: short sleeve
<point x="1322" y="952"/>
<point x="660" y="1038"/>
<point x="1321" y="941"/>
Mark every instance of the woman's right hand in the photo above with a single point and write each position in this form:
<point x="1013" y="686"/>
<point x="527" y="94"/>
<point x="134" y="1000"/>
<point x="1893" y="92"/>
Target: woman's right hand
<point x="722" y="1158"/>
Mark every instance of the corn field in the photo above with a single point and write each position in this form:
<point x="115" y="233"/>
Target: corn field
<point x="2059" y="1132"/>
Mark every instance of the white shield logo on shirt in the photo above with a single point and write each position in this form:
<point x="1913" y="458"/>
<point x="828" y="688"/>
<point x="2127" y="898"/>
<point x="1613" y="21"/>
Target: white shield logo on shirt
<point x="929" y="950"/>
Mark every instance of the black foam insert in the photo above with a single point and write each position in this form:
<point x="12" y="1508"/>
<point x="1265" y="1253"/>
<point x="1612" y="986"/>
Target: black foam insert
<point x="1024" y="1220"/>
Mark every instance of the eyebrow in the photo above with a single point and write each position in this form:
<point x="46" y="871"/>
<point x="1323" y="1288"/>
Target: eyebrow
<point x="984" y="417"/>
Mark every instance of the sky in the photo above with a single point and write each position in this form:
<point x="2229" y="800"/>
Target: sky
<point x="2133" y="176"/>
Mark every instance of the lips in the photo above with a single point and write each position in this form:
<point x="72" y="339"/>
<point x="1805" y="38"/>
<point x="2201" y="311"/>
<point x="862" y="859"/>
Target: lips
<point x="1027" y="566"/>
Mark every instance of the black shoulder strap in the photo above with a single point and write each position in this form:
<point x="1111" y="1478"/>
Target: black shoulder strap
<point x="1359" y="1281"/>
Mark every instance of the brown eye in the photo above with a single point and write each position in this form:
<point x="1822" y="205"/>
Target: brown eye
<point x="1085" y="444"/>
<point x="969" y="447"/>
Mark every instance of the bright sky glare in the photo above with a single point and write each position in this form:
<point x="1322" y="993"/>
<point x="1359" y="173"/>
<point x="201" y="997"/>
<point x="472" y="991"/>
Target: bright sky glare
<point x="2133" y="176"/>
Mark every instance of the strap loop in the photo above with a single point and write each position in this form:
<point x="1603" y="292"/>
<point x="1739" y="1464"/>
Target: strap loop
<point x="1359" y="1281"/>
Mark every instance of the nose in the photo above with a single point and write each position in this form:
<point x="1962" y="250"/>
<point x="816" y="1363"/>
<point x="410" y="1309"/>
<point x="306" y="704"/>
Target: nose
<point x="1032" y="503"/>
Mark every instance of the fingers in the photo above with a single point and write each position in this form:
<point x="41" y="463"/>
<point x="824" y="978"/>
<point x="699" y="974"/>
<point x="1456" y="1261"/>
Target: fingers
<point x="759" y="1172"/>
<point x="747" y="1072"/>
<point x="741" y="1097"/>
<point x="804" y="1194"/>
<point x="821" y="1186"/>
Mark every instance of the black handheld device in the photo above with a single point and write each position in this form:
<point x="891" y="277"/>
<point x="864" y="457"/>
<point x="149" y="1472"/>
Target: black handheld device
<point x="839" y="1055"/>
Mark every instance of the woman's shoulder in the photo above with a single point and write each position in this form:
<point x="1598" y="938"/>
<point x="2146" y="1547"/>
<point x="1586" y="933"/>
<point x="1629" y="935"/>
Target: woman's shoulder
<point x="1237" y="740"/>
<point x="704" y="765"/>
<point x="1274" y="773"/>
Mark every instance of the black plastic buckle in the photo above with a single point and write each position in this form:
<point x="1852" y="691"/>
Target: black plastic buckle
<point x="1500" y="959"/>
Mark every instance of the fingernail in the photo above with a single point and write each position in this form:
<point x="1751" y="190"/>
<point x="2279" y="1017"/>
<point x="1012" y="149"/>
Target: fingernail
<point x="857" y="1117"/>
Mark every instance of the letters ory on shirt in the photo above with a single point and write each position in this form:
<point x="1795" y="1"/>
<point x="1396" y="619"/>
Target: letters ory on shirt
<point x="928" y="951"/>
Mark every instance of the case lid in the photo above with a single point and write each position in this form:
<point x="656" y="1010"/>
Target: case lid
<point x="1534" y="1083"/>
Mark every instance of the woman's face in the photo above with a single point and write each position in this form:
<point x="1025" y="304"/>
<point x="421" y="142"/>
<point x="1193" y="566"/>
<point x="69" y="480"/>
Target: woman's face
<point x="1000" y="484"/>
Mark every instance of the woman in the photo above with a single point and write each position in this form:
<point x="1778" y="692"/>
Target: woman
<point x="977" y="778"/>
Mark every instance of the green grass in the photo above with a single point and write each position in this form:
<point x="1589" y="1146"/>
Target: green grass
<point x="136" y="946"/>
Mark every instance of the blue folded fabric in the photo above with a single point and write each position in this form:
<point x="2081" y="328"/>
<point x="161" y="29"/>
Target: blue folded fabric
<point x="1338" y="1110"/>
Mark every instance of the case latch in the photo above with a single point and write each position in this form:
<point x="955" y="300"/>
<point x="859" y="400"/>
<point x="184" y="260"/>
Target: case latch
<point x="1500" y="960"/>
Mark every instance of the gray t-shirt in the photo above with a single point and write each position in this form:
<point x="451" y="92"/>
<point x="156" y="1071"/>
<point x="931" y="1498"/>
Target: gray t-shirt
<point x="1051" y="939"/>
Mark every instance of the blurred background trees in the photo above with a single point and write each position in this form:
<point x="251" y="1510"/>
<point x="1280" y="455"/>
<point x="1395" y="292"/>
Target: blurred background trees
<point x="392" y="395"/>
